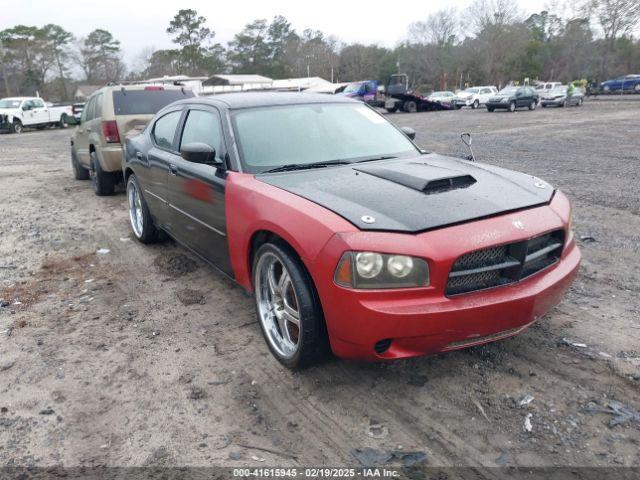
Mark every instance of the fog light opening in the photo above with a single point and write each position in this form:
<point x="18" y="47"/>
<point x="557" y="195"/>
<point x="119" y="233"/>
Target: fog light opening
<point x="382" y="346"/>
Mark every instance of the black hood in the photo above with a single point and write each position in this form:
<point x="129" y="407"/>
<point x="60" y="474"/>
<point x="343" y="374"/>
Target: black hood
<point x="414" y="194"/>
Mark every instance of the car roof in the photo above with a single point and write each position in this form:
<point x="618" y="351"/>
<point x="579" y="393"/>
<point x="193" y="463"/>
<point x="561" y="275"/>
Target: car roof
<point x="267" y="99"/>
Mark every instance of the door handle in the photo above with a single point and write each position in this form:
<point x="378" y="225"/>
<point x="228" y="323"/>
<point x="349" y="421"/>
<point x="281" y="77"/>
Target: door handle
<point x="173" y="169"/>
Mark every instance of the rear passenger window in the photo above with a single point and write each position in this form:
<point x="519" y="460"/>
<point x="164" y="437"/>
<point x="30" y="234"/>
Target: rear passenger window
<point x="98" y="106"/>
<point x="164" y="129"/>
<point x="203" y="127"/>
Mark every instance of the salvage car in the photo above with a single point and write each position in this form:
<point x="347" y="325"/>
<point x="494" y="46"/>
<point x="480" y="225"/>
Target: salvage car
<point x="445" y="98"/>
<point x="625" y="83"/>
<point x="474" y="97"/>
<point x="16" y="113"/>
<point x="110" y="112"/>
<point x="558" y="97"/>
<point x="512" y="98"/>
<point x="348" y="235"/>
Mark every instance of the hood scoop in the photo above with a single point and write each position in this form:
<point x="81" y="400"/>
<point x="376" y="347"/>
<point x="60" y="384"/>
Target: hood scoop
<point x="422" y="177"/>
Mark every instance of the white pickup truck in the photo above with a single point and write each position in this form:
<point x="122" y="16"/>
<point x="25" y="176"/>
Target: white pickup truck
<point x="16" y="113"/>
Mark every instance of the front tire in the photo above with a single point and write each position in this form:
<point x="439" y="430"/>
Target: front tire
<point x="16" y="126"/>
<point x="490" y="109"/>
<point x="475" y="104"/>
<point x="140" y="217"/>
<point x="103" y="182"/>
<point x="512" y="107"/>
<point x="288" y="307"/>
<point x="392" y="109"/>
<point x="79" y="172"/>
<point x="64" y="121"/>
<point x="533" y="105"/>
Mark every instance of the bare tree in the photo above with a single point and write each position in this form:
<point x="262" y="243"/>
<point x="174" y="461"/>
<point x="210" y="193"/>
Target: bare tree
<point x="483" y="14"/>
<point x="441" y="28"/>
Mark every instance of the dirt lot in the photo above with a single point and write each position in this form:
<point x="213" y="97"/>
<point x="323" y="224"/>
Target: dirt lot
<point x="145" y="356"/>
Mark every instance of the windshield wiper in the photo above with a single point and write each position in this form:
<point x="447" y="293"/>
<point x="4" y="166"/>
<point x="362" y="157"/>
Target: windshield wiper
<point x="373" y="159"/>
<point x="306" y="166"/>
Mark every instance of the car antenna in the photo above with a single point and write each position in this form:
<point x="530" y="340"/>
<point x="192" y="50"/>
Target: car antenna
<point x="467" y="140"/>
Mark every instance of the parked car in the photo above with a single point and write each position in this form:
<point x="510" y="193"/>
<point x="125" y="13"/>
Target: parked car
<point x="626" y="83"/>
<point x="557" y="97"/>
<point x="77" y="108"/>
<point x="474" y="97"/>
<point x="400" y="95"/>
<point x="445" y="98"/>
<point x="510" y="98"/>
<point x="367" y="91"/>
<point x="16" y="113"/>
<point x="377" y="249"/>
<point x="110" y="112"/>
<point x="542" y="87"/>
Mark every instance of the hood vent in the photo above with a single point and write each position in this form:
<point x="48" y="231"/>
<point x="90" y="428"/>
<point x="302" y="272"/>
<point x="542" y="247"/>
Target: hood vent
<point x="428" y="180"/>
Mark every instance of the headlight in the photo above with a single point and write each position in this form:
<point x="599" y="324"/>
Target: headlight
<point x="380" y="270"/>
<point x="368" y="264"/>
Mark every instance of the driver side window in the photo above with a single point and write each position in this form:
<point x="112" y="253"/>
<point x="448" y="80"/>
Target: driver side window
<point x="203" y="126"/>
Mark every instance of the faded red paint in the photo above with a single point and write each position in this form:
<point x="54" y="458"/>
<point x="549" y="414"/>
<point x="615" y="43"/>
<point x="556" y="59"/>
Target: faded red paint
<point x="419" y="320"/>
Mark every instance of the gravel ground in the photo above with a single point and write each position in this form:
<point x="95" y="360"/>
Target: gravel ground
<point x="145" y="356"/>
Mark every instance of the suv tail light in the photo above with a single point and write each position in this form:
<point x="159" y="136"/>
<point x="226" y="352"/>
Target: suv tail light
<point x="110" y="131"/>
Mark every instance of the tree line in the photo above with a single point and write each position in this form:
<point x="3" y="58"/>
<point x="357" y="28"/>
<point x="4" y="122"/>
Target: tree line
<point x="491" y="42"/>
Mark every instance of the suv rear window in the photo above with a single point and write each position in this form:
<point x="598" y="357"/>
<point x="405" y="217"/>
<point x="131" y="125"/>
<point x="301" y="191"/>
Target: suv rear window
<point x="144" y="102"/>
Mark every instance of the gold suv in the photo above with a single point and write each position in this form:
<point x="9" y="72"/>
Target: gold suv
<point x="112" y="111"/>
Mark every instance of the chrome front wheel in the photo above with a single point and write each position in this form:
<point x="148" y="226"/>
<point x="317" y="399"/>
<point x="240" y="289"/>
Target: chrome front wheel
<point x="278" y="307"/>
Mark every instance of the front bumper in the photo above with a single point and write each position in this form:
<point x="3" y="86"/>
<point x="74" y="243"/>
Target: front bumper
<point x="421" y="321"/>
<point x="552" y="102"/>
<point x="464" y="102"/>
<point x="504" y="105"/>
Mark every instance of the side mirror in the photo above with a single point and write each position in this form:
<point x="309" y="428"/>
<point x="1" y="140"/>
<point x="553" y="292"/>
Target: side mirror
<point x="409" y="132"/>
<point x="200" y="153"/>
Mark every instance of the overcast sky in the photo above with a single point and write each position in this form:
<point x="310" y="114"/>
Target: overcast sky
<point x="139" y="24"/>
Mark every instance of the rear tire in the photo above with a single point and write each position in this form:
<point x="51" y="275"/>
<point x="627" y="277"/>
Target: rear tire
<point x="533" y="105"/>
<point x="580" y="102"/>
<point x="392" y="109"/>
<point x="79" y="172"/>
<point x="288" y="298"/>
<point x="103" y="182"/>
<point x="16" y="126"/>
<point x="410" y="106"/>
<point x="490" y="109"/>
<point x="141" y="221"/>
<point x="64" y="121"/>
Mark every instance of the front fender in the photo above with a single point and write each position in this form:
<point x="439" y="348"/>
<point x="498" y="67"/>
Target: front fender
<point x="253" y="206"/>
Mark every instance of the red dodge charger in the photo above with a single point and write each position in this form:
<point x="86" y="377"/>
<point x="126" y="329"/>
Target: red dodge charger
<point x="350" y="237"/>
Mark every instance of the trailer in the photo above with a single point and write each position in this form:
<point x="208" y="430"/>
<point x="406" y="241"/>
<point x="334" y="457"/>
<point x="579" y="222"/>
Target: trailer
<point x="398" y="96"/>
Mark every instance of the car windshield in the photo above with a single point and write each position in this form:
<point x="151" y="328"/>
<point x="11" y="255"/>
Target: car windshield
<point x="508" y="90"/>
<point x="559" y="89"/>
<point x="9" y="103"/>
<point x="271" y="137"/>
<point x="471" y="90"/>
<point x="146" y="102"/>
<point x="353" y="88"/>
<point x="440" y="94"/>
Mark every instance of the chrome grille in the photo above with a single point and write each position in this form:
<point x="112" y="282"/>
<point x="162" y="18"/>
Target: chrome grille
<point x="495" y="266"/>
